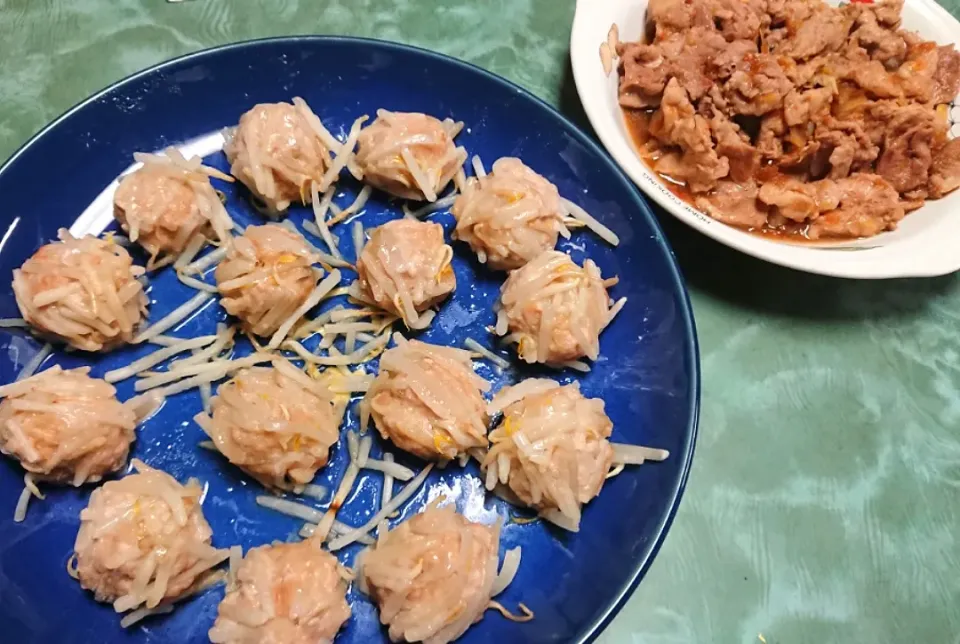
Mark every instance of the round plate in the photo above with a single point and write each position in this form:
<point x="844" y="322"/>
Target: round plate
<point x="923" y="245"/>
<point x="648" y="372"/>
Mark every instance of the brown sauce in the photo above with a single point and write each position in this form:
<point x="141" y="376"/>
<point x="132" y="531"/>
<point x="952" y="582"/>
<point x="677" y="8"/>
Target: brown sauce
<point x="649" y="150"/>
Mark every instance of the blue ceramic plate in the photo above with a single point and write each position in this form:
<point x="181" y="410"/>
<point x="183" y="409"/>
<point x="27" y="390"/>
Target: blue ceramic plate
<point x="647" y="374"/>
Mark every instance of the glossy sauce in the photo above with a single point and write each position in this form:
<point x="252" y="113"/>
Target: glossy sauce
<point x="648" y="149"/>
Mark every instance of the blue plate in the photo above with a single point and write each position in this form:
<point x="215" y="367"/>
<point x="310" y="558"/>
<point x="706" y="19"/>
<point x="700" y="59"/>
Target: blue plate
<point x="648" y="372"/>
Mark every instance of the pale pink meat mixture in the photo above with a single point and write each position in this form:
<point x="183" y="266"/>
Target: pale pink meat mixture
<point x="143" y="539"/>
<point x="272" y="426"/>
<point x="405" y="268"/>
<point x="286" y="593"/>
<point x="793" y="114"/>
<point x="162" y="209"/>
<point x="432" y="575"/>
<point x="265" y="277"/>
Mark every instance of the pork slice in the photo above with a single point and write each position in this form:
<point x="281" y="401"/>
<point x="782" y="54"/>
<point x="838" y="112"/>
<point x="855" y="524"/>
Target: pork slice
<point x="850" y="146"/>
<point x="734" y="203"/>
<point x="908" y="148"/>
<point x="676" y="16"/>
<point x="732" y="143"/>
<point x="758" y="85"/>
<point x="809" y="160"/>
<point x="881" y="44"/>
<point x="797" y="200"/>
<point x="946" y="78"/>
<point x="824" y="30"/>
<point x="739" y="19"/>
<point x="945" y="169"/>
<point x="867" y="206"/>
<point x="676" y="123"/>
<point x="725" y="62"/>
<point x="772" y="128"/>
<point x="689" y="64"/>
<point x="873" y="77"/>
<point x="791" y="12"/>
<point x="886" y="11"/>
<point x="916" y="75"/>
<point x="802" y="107"/>
<point x="643" y="75"/>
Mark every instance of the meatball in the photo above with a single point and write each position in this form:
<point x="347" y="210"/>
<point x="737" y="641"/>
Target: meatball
<point x="265" y="277"/>
<point x="277" y="151"/>
<point x="427" y="400"/>
<point x="65" y="426"/>
<point x="409" y="155"/>
<point x="83" y="292"/>
<point x="405" y="269"/>
<point x="432" y="575"/>
<point x="551" y="448"/>
<point x="510" y="216"/>
<point x="276" y="427"/>
<point x="554" y="310"/>
<point x="168" y="201"/>
<point x="143" y="540"/>
<point x="286" y="593"/>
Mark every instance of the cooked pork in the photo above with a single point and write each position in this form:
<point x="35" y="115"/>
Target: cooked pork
<point x="793" y="114"/>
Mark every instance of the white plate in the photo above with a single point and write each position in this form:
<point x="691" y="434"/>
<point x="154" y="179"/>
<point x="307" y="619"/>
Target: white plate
<point x="927" y="241"/>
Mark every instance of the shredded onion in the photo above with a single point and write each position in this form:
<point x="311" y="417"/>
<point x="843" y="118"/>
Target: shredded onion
<point x="174" y="317"/>
<point x="157" y="357"/>
<point x="499" y="361"/>
<point x="637" y="454"/>
<point x="405" y="494"/>
<point x="13" y="323"/>
<point x="590" y="222"/>
<point x="321" y="291"/>
<point x="390" y="468"/>
<point x="35" y="362"/>
<point x="511" y="563"/>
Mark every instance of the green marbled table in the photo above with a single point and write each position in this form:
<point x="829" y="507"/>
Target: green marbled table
<point x="825" y="494"/>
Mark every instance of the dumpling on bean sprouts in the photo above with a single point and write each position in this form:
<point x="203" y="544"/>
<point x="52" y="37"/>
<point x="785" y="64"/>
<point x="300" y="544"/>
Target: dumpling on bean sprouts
<point x="427" y="400"/>
<point x="168" y="201"/>
<point x="65" y="426"/>
<point x="405" y="269"/>
<point x="265" y="277"/>
<point x="551" y="448"/>
<point x="279" y="149"/>
<point x="83" y="292"/>
<point x="409" y="154"/>
<point x="432" y="576"/>
<point x="509" y="216"/>
<point x="275" y="424"/>
<point x="143" y="540"/>
<point x="285" y="593"/>
<point x="555" y="310"/>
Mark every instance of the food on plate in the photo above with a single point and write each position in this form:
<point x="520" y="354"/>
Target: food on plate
<point x="275" y="424"/>
<point x="143" y="540"/>
<point x="83" y="292"/>
<point x="168" y="201"/>
<point x="409" y="155"/>
<point x="285" y="593"/>
<point x="552" y="448"/>
<point x="795" y="118"/>
<point x="432" y="576"/>
<point x="278" y="150"/>
<point x="405" y="269"/>
<point x="65" y="426"/>
<point x="509" y="216"/>
<point x="555" y="310"/>
<point x="427" y="400"/>
<point x="265" y="277"/>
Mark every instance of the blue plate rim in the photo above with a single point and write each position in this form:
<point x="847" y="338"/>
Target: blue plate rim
<point x="594" y="630"/>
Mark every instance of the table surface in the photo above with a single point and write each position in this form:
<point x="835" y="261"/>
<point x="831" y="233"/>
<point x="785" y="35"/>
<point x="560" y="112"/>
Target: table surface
<point x="823" y="502"/>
